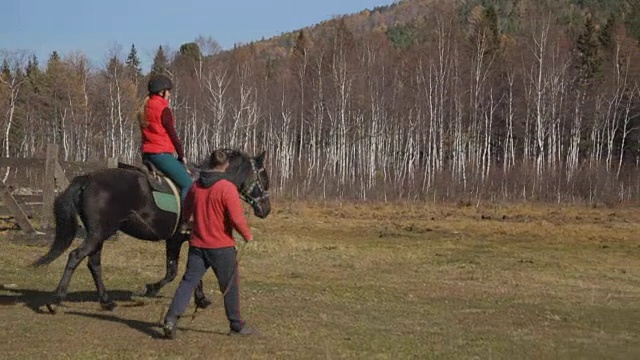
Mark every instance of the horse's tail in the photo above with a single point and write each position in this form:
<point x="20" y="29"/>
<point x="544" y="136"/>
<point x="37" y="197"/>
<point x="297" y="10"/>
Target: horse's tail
<point x="65" y="208"/>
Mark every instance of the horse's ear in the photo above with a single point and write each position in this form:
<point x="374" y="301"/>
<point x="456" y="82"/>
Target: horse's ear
<point x="260" y="158"/>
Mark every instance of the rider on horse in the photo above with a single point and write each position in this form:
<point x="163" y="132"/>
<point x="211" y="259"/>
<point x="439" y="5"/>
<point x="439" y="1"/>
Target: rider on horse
<point x="160" y="140"/>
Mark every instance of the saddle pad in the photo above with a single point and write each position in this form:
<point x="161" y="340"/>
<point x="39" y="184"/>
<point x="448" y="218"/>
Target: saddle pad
<point x="167" y="201"/>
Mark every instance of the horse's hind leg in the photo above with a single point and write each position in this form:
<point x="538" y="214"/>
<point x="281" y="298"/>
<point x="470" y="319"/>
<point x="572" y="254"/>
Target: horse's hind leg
<point x="173" y="246"/>
<point x="95" y="268"/>
<point x="75" y="257"/>
<point x="199" y="298"/>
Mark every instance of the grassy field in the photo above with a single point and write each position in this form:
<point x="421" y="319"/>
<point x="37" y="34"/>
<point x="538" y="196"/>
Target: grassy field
<point x="332" y="281"/>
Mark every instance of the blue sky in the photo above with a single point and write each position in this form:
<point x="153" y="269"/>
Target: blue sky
<point x="95" y="27"/>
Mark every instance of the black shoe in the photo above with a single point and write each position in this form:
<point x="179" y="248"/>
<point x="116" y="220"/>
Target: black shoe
<point x="245" y="331"/>
<point x="169" y="330"/>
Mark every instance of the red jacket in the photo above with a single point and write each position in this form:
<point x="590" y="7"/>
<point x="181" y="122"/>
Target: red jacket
<point x="159" y="136"/>
<point x="216" y="211"/>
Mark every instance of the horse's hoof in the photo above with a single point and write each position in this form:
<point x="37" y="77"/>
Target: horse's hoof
<point x="203" y="303"/>
<point x="53" y="308"/>
<point x="55" y="304"/>
<point x="108" y="306"/>
<point x="149" y="291"/>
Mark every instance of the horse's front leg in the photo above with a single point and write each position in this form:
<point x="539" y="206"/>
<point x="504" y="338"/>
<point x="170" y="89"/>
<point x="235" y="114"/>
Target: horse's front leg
<point x="199" y="298"/>
<point x="173" y="246"/>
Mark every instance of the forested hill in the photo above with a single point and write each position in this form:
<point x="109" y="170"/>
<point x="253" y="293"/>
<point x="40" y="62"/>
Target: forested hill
<point x="402" y="21"/>
<point x="440" y="100"/>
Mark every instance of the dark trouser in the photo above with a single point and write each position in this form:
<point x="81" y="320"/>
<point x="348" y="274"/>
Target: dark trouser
<point x="173" y="168"/>
<point x="224" y="264"/>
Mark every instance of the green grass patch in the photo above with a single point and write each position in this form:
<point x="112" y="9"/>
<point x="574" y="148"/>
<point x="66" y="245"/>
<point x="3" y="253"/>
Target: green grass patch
<point x="336" y="281"/>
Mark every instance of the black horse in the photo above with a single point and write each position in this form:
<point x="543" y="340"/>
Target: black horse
<point x="109" y="200"/>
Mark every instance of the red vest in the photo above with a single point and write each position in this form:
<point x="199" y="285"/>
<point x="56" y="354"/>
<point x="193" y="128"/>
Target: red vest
<point x="155" y="138"/>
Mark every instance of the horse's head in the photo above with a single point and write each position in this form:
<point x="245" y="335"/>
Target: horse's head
<point x="250" y="176"/>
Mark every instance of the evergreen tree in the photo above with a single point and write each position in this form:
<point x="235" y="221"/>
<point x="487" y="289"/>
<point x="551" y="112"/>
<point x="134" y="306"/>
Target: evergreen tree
<point x="633" y="19"/>
<point x="34" y="75"/>
<point x="54" y="57"/>
<point x="491" y="21"/>
<point x="402" y="36"/>
<point x="133" y="65"/>
<point x="5" y="71"/>
<point x="190" y="50"/>
<point x="53" y="67"/>
<point x="589" y="59"/>
<point x="53" y="71"/>
<point x="606" y="33"/>
<point x="115" y="70"/>
<point x="32" y="65"/>
<point x="160" y="62"/>
<point x="301" y="45"/>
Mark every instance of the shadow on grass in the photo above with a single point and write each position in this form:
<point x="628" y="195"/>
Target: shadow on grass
<point x="149" y="328"/>
<point x="37" y="300"/>
<point x="152" y="329"/>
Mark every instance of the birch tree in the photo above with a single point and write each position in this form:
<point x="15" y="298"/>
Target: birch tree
<point x="11" y="79"/>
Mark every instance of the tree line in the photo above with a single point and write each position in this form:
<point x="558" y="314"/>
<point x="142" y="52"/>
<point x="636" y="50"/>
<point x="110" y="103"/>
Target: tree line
<point x="461" y="103"/>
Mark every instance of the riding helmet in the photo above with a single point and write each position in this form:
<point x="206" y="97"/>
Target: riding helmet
<point x="158" y="83"/>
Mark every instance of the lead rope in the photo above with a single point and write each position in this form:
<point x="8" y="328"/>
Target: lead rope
<point x="226" y="291"/>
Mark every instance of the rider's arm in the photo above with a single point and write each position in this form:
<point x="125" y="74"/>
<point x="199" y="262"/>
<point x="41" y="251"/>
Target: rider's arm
<point x="234" y="211"/>
<point x="169" y="124"/>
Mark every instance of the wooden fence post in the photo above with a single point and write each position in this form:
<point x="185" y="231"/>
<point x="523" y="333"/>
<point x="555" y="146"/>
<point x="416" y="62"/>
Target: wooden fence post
<point x="62" y="182"/>
<point x="49" y="185"/>
<point x="17" y="212"/>
<point x="112" y="163"/>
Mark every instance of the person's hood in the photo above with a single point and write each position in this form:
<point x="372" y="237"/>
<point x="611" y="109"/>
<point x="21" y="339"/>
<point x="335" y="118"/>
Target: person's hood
<point x="209" y="177"/>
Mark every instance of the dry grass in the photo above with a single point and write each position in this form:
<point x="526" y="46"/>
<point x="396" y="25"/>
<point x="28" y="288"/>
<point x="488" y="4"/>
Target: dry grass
<point x="365" y="281"/>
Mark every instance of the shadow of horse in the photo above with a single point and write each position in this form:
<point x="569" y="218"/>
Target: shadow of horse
<point x="152" y="329"/>
<point x="37" y="300"/>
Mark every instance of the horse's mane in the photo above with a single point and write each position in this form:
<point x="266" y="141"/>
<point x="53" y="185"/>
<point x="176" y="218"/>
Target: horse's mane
<point x="231" y="153"/>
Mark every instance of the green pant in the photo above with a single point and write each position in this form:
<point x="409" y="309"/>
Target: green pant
<point x="173" y="169"/>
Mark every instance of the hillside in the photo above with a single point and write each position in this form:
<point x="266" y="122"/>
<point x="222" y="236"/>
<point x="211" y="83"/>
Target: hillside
<point x="401" y="21"/>
<point x="432" y="100"/>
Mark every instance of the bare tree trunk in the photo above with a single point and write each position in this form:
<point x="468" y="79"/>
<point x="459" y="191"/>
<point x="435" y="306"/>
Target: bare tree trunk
<point x="626" y="130"/>
<point x="509" y="147"/>
<point x="216" y="85"/>
<point x="540" y="49"/>
<point x="13" y="83"/>
<point x="573" y="154"/>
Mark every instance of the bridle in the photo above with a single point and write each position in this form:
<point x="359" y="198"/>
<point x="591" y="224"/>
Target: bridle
<point x="249" y="185"/>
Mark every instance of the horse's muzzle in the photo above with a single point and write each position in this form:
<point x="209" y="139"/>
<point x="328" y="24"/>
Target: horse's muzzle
<point x="263" y="209"/>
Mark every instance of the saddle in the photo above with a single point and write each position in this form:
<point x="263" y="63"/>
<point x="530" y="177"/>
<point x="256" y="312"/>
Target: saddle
<point x="165" y="192"/>
<point x="157" y="179"/>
